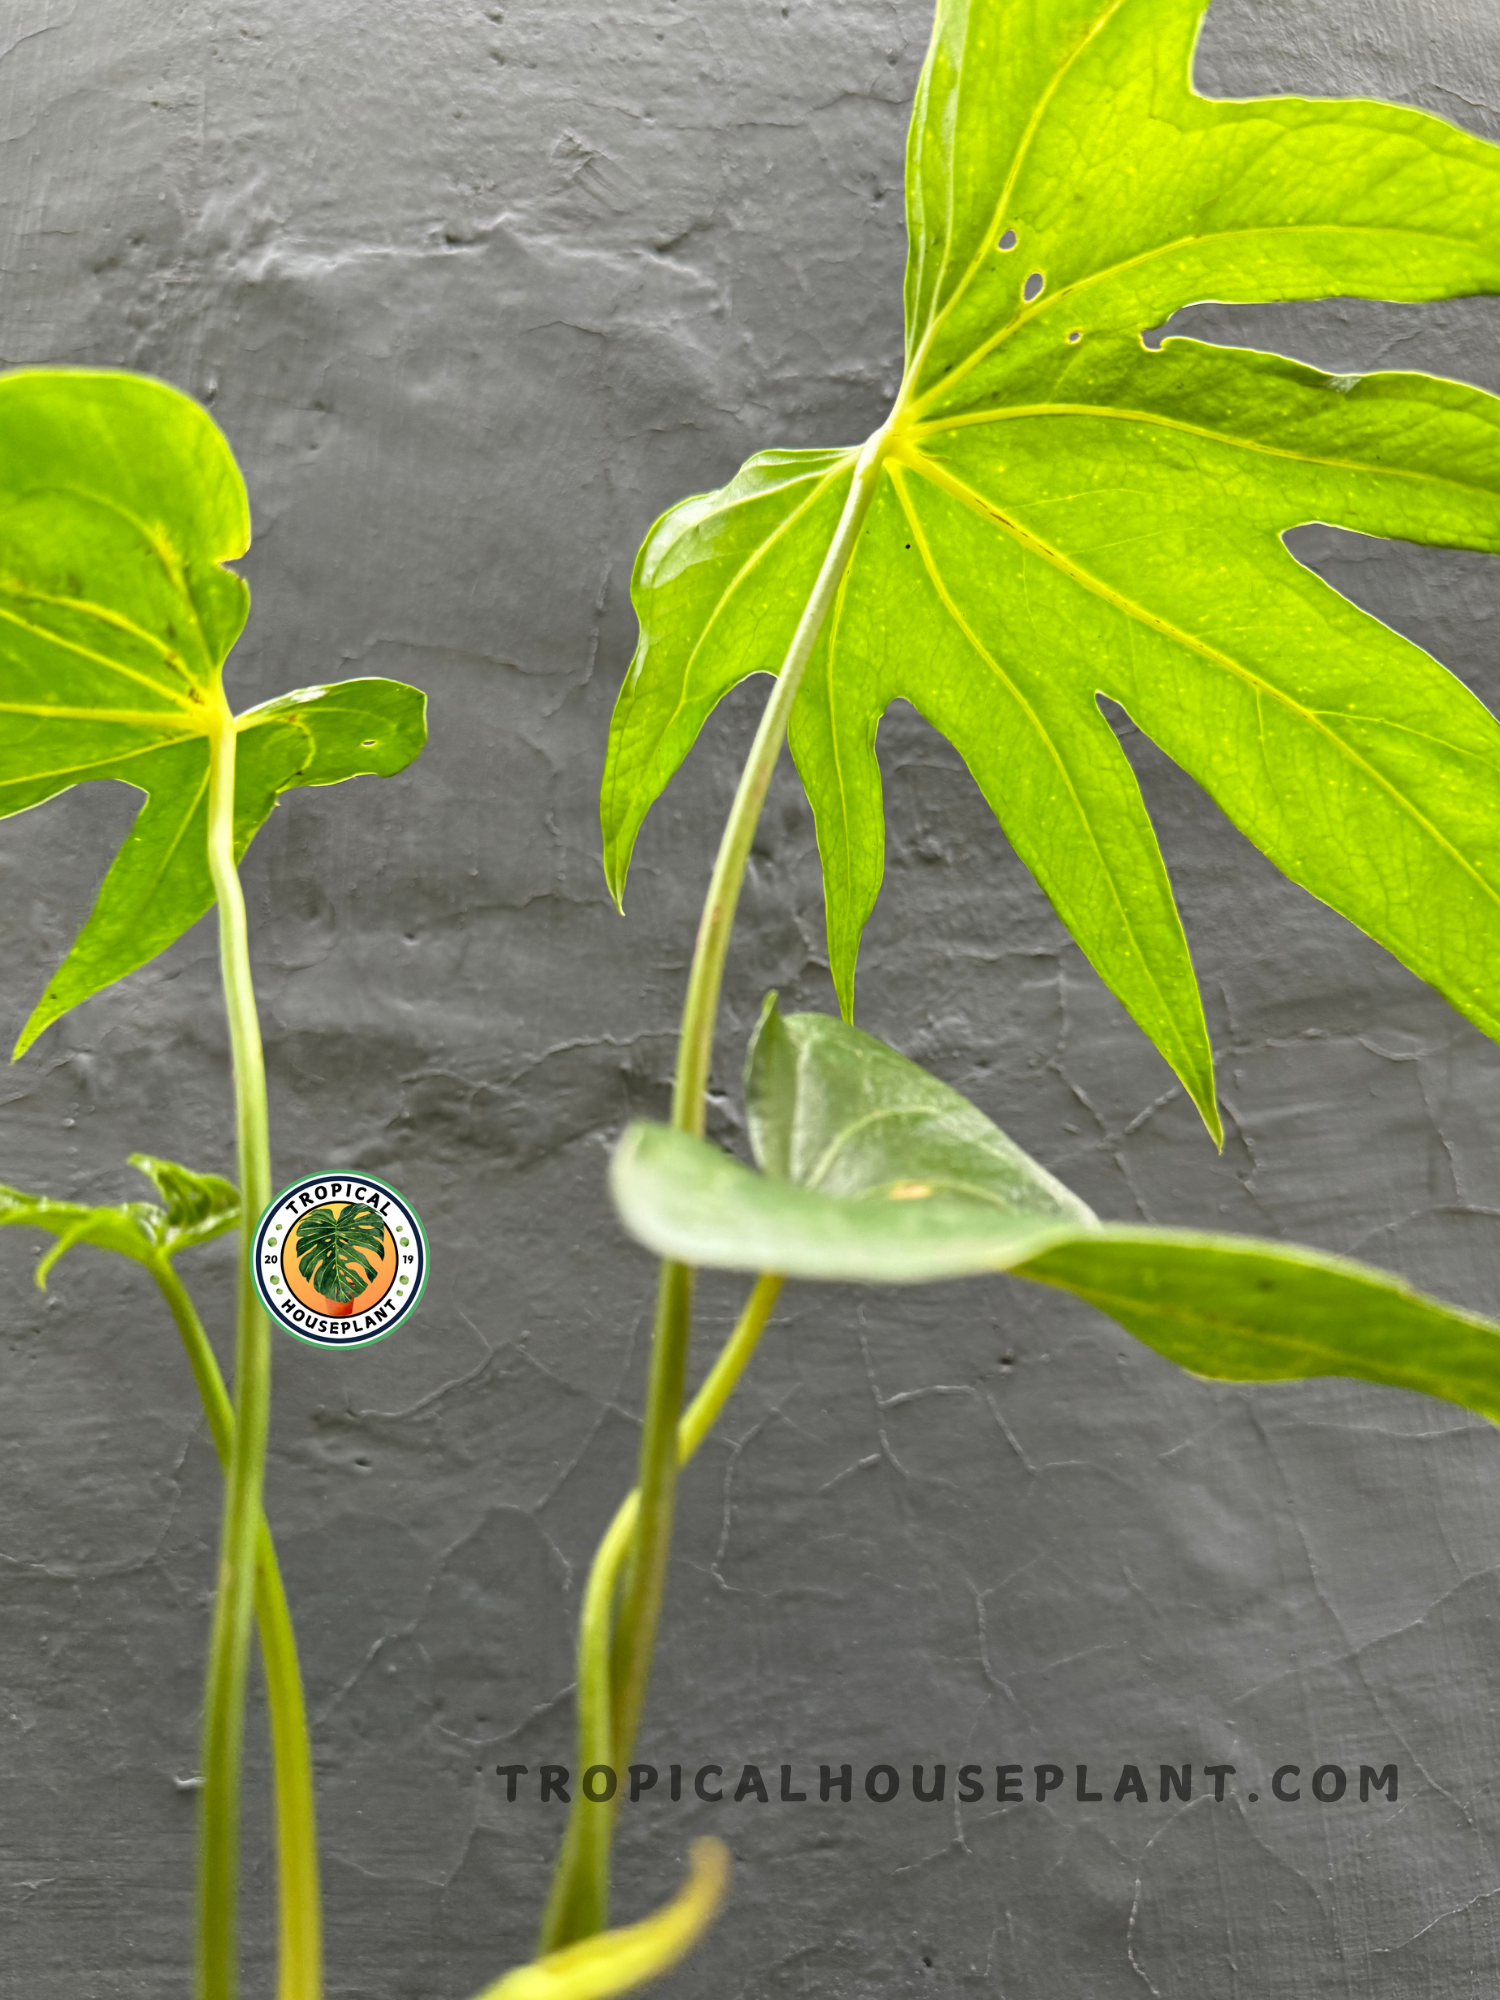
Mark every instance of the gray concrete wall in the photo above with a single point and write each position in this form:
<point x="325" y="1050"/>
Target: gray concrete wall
<point x="475" y="291"/>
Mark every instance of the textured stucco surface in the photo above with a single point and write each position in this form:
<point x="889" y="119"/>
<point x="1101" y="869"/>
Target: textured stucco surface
<point x="475" y="292"/>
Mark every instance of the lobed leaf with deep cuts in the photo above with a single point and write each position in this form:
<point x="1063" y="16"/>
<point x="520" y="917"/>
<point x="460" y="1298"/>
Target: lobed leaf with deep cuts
<point x="120" y="504"/>
<point x="198" y="1207"/>
<point x="1064" y="512"/>
<point x="873" y="1172"/>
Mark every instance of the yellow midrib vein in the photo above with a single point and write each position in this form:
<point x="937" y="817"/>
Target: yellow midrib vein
<point x="1047" y="301"/>
<point x="956" y="489"/>
<point x="942" y="426"/>
<point x="1044" y="736"/>
<point x="139" y="718"/>
<point x="1023" y="147"/>
<point x="97" y="659"/>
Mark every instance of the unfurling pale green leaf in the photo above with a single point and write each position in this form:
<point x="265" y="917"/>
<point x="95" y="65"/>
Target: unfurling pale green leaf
<point x="120" y="502"/>
<point x="198" y="1208"/>
<point x="871" y="1169"/>
<point x="874" y="1172"/>
<point x="830" y="1107"/>
<point x="1064" y="512"/>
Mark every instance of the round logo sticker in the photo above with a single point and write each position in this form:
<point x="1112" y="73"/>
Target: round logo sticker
<point x="339" y="1260"/>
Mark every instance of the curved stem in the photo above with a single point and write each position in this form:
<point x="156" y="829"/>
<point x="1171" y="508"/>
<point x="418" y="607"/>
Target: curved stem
<point x="695" y="1045"/>
<point x="641" y="1597"/>
<point x="300" y="1954"/>
<point x="229" y="1643"/>
<point x="579" y="1903"/>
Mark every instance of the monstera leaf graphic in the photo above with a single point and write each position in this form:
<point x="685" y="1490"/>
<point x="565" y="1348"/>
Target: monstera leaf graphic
<point x="331" y="1246"/>
<point x="1063" y="511"/>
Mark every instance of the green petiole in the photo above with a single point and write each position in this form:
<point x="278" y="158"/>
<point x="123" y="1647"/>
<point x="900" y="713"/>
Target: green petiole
<point x="640" y="1600"/>
<point x="579" y="1903"/>
<point x="300" y="1923"/>
<point x="234" y="1601"/>
<point x="615" y="1663"/>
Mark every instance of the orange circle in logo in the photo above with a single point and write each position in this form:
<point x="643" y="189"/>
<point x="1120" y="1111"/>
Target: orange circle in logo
<point x="384" y="1266"/>
<point x="339" y="1233"/>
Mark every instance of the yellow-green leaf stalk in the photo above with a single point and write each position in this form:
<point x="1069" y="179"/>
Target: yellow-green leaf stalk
<point x="617" y="1961"/>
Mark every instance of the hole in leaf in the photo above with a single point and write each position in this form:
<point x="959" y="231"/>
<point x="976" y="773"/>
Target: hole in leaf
<point x="1075" y="336"/>
<point x="1032" y="289"/>
<point x="368" y="744"/>
<point x="1007" y="241"/>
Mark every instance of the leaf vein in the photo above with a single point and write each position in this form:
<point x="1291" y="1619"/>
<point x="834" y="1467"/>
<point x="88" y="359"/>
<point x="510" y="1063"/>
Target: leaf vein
<point x="71" y="770"/>
<point x="747" y="568"/>
<point x="144" y="718"/>
<point x="1049" y="300"/>
<point x="1043" y="735"/>
<point x="1195" y="1319"/>
<point x="103" y="615"/>
<point x="940" y="476"/>
<point x="939" y="425"/>
<point x="1023" y="147"/>
<point x="99" y="659"/>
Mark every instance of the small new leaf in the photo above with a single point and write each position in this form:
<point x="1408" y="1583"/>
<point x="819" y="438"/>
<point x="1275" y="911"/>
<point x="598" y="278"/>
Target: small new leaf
<point x="120" y="503"/>
<point x="872" y="1169"/>
<point x="198" y="1208"/>
<point x="330" y="1249"/>
<point x="1063" y="512"/>
<point x="874" y="1172"/>
<point x="620" y="1960"/>
<point x="832" y="1108"/>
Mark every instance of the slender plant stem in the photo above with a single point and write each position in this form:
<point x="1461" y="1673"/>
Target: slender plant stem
<point x="234" y="1601"/>
<point x="201" y="1358"/>
<point x="579" y="1903"/>
<point x="640" y="1602"/>
<point x="646" y="1569"/>
<point x="300" y="1954"/>
<point x="695" y="1045"/>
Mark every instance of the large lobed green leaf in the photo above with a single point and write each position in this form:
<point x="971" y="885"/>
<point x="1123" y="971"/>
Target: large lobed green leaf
<point x="1064" y="512"/>
<point x="120" y="502"/>
<point x="873" y="1172"/>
